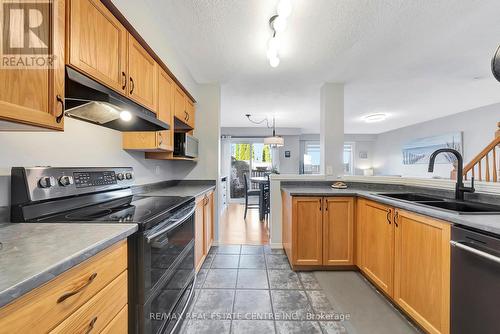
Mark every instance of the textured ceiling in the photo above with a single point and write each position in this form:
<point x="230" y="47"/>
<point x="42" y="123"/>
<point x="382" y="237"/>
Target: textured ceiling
<point x="415" y="60"/>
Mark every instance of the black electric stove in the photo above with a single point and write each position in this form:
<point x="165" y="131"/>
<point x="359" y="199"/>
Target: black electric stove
<point x="161" y="255"/>
<point x="146" y="211"/>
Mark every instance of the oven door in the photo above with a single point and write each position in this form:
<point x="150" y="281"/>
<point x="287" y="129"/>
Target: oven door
<point x="162" y="249"/>
<point x="166" y="308"/>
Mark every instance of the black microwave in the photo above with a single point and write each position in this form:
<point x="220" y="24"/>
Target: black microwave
<point x="185" y="145"/>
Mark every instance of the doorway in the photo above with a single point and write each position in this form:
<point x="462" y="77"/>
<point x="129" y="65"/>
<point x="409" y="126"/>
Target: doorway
<point x="253" y="158"/>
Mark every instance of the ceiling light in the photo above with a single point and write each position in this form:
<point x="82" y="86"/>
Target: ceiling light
<point x="125" y="116"/>
<point x="373" y="118"/>
<point x="279" y="24"/>
<point x="276" y="141"/>
<point x="272" y="47"/>
<point x="284" y="8"/>
<point x="274" y="61"/>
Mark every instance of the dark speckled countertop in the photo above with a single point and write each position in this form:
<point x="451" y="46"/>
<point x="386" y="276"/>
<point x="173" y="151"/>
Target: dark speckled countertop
<point x="33" y="254"/>
<point x="484" y="222"/>
<point x="182" y="188"/>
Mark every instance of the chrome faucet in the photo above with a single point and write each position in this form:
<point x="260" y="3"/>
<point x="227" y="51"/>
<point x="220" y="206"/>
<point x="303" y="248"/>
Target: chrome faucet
<point x="460" y="188"/>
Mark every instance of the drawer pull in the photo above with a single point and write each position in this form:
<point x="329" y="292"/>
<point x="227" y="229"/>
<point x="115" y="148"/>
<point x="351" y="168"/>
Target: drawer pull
<point x="74" y="292"/>
<point x="91" y="325"/>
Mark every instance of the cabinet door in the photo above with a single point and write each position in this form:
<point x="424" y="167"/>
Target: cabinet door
<point x="199" y="233"/>
<point x="378" y="245"/>
<point x="422" y="270"/>
<point x="180" y="104"/>
<point x="143" y="74"/>
<point x="307" y="230"/>
<point x="338" y="224"/>
<point x="358" y="232"/>
<point x="208" y="216"/>
<point x="165" y="110"/>
<point x="190" y="109"/>
<point x="98" y="43"/>
<point x="31" y="96"/>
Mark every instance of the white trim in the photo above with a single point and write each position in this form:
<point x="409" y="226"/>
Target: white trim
<point x="276" y="245"/>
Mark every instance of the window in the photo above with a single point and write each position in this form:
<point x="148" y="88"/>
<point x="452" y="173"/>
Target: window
<point x="349" y="158"/>
<point x="311" y="157"/>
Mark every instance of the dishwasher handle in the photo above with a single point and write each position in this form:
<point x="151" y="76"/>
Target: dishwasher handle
<point x="475" y="251"/>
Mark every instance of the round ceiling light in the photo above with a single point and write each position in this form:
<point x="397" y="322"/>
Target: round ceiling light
<point x="373" y="118"/>
<point x="274" y="61"/>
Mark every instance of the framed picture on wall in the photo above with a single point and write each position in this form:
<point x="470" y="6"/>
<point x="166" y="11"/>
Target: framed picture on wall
<point x="418" y="151"/>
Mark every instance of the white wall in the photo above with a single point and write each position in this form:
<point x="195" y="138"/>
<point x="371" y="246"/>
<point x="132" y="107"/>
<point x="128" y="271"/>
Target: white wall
<point x="478" y="126"/>
<point x="290" y="165"/>
<point x="332" y="128"/>
<point x="362" y="143"/>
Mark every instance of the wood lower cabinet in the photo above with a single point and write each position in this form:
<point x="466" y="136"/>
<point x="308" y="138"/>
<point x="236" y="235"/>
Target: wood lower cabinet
<point x="199" y="233"/>
<point x="422" y="270"/>
<point x="318" y="231"/>
<point x="97" y="43"/>
<point x="377" y="253"/>
<point x="338" y="231"/>
<point x="204" y="227"/>
<point x="307" y="231"/>
<point x="33" y="99"/>
<point x="208" y="216"/>
<point x="143" y="74"/>
<point x="84" y="298"/>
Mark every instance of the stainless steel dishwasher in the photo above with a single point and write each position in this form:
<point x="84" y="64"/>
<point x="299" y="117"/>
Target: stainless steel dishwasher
<point x="475" y="282"/>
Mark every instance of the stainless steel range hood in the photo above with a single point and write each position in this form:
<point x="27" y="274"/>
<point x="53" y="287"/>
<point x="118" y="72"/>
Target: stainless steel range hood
<point x="89" y="101"/>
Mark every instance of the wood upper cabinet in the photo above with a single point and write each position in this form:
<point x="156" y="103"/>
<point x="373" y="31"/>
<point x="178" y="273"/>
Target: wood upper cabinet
<point x="180" y="111"/>
<point x="190" y="109"/>
<point x="143" y="74"/>
<point x="378" y="245"/>
<point x="422" y="270"/>
<point x="159" y="141"/>
<point x="307" y="227"/>
<point x="338" y="226"/>
<point x="165" y="110"/>
<point x="97" y="43"/>
<point x="35" y="97"/>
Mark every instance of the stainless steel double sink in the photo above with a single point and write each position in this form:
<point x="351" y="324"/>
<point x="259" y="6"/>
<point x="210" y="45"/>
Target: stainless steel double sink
<point x="460" y="207"/>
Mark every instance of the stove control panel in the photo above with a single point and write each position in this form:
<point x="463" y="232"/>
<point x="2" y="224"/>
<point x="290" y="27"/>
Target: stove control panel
<point x="43" y="183"/>
<point x="92" y="179"/>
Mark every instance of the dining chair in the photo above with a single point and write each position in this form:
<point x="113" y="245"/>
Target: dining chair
<point x="249" y="192"/>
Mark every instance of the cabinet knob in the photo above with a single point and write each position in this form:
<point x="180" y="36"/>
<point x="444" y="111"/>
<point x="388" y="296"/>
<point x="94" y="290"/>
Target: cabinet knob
<point x="124" y="81"/>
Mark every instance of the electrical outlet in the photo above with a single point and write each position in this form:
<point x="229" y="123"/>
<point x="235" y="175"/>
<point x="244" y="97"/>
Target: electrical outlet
<point x="329" y="170"/>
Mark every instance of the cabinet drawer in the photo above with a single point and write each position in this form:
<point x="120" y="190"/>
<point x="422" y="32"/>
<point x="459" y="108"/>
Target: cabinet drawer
<point x="95" y="315"/>
<point x="43" y="309"/>
<point x="119" y="324"/>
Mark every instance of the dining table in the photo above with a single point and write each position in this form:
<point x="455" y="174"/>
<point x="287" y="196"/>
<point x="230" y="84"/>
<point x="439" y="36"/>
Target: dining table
<point x="261" y="181"/>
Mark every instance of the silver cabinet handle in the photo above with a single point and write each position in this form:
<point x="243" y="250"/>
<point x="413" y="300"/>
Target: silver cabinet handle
<point x="475" y="251"/>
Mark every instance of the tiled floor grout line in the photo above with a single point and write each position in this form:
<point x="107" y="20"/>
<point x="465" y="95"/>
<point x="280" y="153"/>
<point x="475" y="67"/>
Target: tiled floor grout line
<point x="269" y="291"/>
<point x="234" y="295"/>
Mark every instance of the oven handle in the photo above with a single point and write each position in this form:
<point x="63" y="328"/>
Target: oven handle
<point x="149" y="238"/>
<point x="184" y="309"/>
<point x="477" y="252"/>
